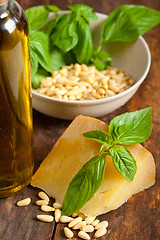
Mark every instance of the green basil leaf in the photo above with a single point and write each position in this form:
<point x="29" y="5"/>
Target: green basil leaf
<point x="52" y="8"/>
<point x="84" y="11"/>
<point x="98" y="136"/>
<point x="84" y="184"/>
<point x="37" y="17"/>
<point x="123" y="161"/>
<point x="101" y="66"/>
<point x="39" y="75"/>
<point x="80" y="8"/>
<point x="48" y="27"/>
<point x="34" y="62"/>
<point x="101" y="59"/>
<point x="40" y="44"/>
<point x="57" y="58"/>
<point x="64" y="34"/>
<point x="131" y="128"/>
<point x="84" y="48"/>
<point x="90" y="16"/>
<point x="128" y="22"/>
<point x="104" y="147"/>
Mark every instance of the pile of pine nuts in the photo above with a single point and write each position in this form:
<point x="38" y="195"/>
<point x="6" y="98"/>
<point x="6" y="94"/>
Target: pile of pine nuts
<point x="80" y="82"/>
<point x="84" y="225"/>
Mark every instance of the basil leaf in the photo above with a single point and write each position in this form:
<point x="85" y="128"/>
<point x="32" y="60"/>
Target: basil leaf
<point x="84" y="48"/>
<point x="123" y="161"/>
<point x="98" y="136"/>
<point x="48" y="27"/>
<point x="131" y="128"/>
<point x="64" y="34"/>
<point x="37" y="17"/>
<point x="84" y="184"/>
<point x="128" y="22"/>
<point x="39" y="75"/>
<point x="40" y="45"/>
<point x="104" y="147"/>
<point x="34" y="62"/>
<point x="52" y="8"/>
<point x="101" y="59"/>
<point x="84" y="11"/>
<point x="80" y="8"/>
<point x="57" y="58"/>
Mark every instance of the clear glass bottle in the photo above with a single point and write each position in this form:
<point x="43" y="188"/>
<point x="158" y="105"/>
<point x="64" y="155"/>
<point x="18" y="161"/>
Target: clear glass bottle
<point x="16" y="161"/>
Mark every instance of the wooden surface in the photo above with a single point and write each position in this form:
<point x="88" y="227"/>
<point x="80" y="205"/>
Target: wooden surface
<point x="139" y="218"/>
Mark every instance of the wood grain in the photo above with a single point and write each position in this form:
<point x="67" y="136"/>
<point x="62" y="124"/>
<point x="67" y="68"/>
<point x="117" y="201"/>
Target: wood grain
<point x="138" y="219"/>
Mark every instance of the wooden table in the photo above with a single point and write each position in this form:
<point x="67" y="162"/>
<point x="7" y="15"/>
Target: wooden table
<point x="139" y="218"/>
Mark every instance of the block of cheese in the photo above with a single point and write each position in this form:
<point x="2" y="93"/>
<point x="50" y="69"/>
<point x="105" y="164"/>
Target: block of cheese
<point x="72" y="151"/>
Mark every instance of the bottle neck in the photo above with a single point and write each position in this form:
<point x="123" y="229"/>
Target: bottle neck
<point x="5" y="5"/>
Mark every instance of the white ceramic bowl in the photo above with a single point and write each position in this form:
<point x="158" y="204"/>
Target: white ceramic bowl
<point x="133" y="57"/>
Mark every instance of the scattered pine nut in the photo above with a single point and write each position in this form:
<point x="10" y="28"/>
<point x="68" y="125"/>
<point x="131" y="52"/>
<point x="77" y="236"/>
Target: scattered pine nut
<point x="43" y="196"/>
<point x="45" y="218"/>
<point x="79" y="225"/>
<point x="46" y="208"/>
<point x="65" y="219"/>
<point x="74" y="222"/>
<point x="57" y="205"/>
<point x="68" y="233"/>
<point x="89" y="220"/>
<point x="41" y="202"/>
<point x="88" y="228"/>
<point x="57" y="215"/>
<point x="24" y="202"/>
<point x="83" y="235"/>
<point x="100" y="232"/>
<point x="95" y="222"/>
<point x="103" y="224"/>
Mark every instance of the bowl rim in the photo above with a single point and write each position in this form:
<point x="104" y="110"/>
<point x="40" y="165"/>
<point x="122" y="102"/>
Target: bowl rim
<point x="107" y="99"/>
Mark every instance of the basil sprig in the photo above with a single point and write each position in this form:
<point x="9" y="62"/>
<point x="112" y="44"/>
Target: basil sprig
<point x="67" y="38"/>
<point x="126" y="129"/>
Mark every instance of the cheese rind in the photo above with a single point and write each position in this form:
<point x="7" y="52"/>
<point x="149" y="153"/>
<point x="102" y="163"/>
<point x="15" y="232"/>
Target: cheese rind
<point x="72" y="151"/>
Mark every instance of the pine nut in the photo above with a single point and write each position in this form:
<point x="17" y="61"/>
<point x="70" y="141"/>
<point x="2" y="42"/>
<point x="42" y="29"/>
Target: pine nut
<point x="82" y="216"/>
<point x="103" y="224"/>
<point x="73" y="92"/>
<point x="57" y="205"/>
<point x="74" y="222"/>
<point x="95" y="222"/>
<point x="45" y="218"/>
<point x="46" y="208"/>
<point x="68" y="233"/>
<point x="24" y="202"/>
<point x="83" y="235"/>
<point x="75" y="214"/>
<point x="43" y="196"/>
<point x="79" y="225"/>
<point x="65" y="219"/>
<point x="89" y="220"/>
<point x="57" y="215"/>
<point x="41" y="202"/>
<point x="88" y="228"/>
<point x="100" y="232"/>
<point x="47" y="82"/>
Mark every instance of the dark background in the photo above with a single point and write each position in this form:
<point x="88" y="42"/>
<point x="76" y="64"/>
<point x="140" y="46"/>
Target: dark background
<point x="139" y="218"/>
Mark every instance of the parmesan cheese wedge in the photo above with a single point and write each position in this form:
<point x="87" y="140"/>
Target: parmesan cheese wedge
<point x="72" y="151"/>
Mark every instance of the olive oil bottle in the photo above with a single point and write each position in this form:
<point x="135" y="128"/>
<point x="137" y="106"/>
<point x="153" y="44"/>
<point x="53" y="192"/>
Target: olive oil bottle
<point x="16" y="161"/>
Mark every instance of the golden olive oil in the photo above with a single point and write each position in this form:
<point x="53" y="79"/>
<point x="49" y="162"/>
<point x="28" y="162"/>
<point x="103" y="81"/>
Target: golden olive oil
<point x="16" y="161"/>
